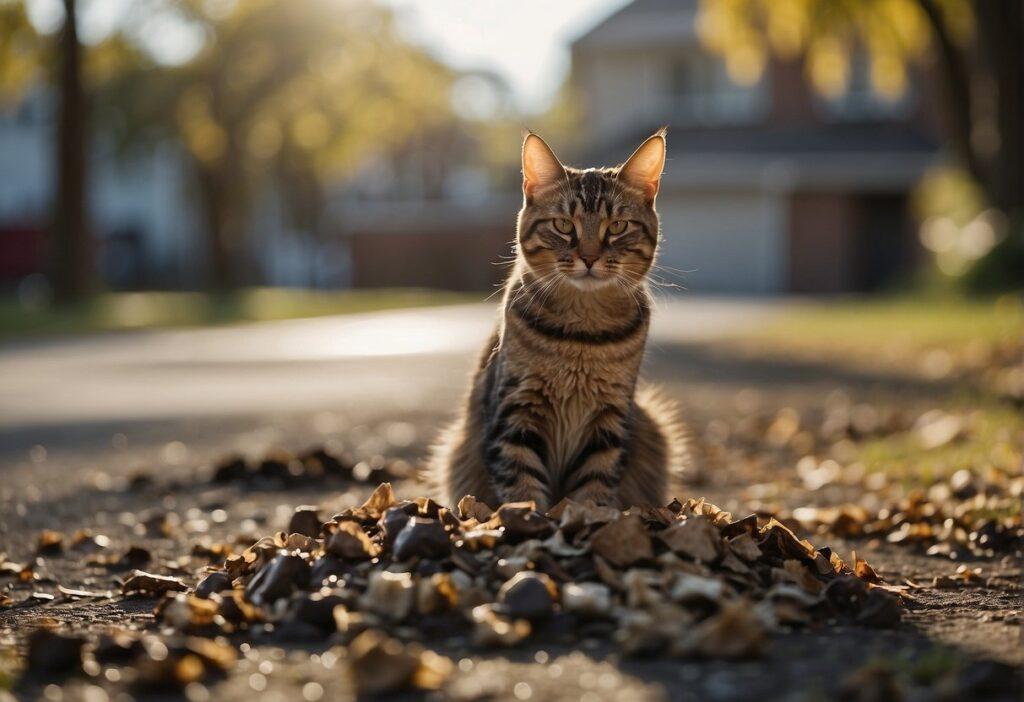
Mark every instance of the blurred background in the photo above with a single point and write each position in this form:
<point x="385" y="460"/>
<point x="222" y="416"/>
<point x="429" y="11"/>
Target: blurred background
<point x="248" y="147"/>
<point x="263" y="190"/>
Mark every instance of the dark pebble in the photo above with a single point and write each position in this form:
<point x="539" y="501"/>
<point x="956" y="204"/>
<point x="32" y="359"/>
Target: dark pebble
<point x="279" y="578"/>
<point x="526" y="596"/>
<point x="214" y="582"/>
<point x="425" y="538"/>
<point x="229" y="470"/>
<point x="305" y="521"/>
<point x="50" y="653"/>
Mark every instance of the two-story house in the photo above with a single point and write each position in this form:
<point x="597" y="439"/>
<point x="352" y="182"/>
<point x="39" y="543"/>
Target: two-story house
<point x="769" y="187"/>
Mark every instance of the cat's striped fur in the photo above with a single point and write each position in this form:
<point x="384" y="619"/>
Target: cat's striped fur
<point x="554" y="409"/>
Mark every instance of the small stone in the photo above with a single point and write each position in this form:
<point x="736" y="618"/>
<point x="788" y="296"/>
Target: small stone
<point x="50" y="542"/>
<point x="425" y="538"/>
<point x="217" y="581"/>
<point x="316" y="609"/>
<point x="435" y="594"/>
<point x="305" y="521"/>
<point x="117" y="648"/>
<point x="880" y="610"/>
<point x="493" y="629"/>
<point x="587" y="599"/>
<point x="392" y="523"/>
<point x="528" y="595"/>
<point x="380" y="665"/>
<point x="51" y="653"/>
<point x="277" y="579"/>
<point x="391" y="595"/>
<point x="229" y="470"/>
<point x="326" y="568"/>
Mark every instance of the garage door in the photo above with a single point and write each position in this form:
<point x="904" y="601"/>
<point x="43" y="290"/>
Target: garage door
<point x="724" y="242"/>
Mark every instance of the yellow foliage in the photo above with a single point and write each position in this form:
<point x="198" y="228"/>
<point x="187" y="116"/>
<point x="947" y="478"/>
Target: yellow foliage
<point x="830" y="34"/>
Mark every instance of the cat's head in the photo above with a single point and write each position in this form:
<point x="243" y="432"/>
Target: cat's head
<point x="593" y="227"/>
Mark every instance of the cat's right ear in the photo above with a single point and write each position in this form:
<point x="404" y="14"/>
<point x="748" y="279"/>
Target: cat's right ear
<point x="541" y="167"/>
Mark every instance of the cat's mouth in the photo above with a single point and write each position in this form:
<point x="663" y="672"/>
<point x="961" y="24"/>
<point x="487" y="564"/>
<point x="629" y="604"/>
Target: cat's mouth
<point x="589" y="280"/>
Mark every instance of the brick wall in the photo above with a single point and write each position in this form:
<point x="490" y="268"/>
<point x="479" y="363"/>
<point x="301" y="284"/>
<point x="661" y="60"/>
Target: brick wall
<point x="446" y="259"/>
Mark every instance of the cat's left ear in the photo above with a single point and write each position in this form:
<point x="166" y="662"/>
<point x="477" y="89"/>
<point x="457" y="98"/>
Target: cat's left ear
<point x="541" y="167"/>
<point x="643" y="169"/>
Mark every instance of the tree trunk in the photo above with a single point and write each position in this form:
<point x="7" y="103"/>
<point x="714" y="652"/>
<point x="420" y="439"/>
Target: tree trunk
<point x="224" y="207"/>
<point x="1001" y="48"/>
<point x="73" y="255"/>
<point x="1001" y="39"/>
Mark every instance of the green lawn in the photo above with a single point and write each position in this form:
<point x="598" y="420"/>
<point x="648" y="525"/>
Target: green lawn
<point x="907" y="323"/>
<point x="992" y="441"/>
<point x="908" y="334"/>
<point x="119" y="311"/>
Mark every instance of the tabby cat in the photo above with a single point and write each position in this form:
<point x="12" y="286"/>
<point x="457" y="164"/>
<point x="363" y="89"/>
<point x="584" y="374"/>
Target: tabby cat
<point x="554" y="409"/>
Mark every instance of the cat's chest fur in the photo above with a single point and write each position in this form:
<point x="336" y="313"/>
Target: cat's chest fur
<point x="572" y="383"/>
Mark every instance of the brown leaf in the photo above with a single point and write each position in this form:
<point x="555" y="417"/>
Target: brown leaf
<point x="735" y="632"/>
<point x="778" y="539"/>
<point x="863" y="571"/>
<point x="744" y="547"/>
<point x="150" y="584"/>
<point x="351" y="543"/>
<point x="521" y="521"/>
<point x="50" y="542"/>
<point x="472" y="508"/>
<point x="796" y="572"/>
<point x="694" y="538"/>
<point x="382" y="498"/>
<point x="380" y="665"/>
<point x="623" y="542"/>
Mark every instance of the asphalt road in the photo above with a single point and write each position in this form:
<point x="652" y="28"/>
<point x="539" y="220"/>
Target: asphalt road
<point x="69" y="390"/>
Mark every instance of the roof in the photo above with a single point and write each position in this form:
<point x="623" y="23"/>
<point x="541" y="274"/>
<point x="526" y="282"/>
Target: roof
<point x="842" y="155"/>
<point x="646" y="22"/>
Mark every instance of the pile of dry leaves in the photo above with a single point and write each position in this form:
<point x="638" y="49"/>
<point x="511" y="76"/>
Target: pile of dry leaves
<point x="681" y="580"/>
<point x="973" y="511"/>
<point x="282" y="469"/>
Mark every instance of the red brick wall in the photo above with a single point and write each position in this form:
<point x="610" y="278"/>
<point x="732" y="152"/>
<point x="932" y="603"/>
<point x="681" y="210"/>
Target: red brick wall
<point x="449" y="260"/>
<point x="822" y="242"/>
<point x="792" y="99"/>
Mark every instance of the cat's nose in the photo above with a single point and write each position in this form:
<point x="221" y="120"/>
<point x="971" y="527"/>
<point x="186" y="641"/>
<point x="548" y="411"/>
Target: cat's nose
<point x="589" y="261"/>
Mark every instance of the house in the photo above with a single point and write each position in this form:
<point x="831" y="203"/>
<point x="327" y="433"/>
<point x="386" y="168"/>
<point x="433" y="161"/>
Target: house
<point x="769" y="188"/>
<point x="144" y="226"/>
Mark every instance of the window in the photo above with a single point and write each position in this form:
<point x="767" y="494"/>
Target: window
<point x="703" y="93"/>
<point x="860" y="102"/>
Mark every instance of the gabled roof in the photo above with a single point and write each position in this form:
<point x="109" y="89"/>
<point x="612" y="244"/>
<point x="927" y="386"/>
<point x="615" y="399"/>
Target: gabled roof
<point x="850" y="155"/>
<point x="643" y="23"/>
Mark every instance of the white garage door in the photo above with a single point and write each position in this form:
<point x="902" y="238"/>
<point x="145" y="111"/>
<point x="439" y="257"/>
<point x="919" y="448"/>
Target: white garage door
<point x="724" y="242"/>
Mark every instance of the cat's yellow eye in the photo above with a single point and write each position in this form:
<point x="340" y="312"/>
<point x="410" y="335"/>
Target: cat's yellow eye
<point x="564" y="226"/>
<point x="617" y="227"/>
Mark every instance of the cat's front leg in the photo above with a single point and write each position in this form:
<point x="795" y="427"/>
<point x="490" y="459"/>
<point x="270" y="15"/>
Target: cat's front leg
<point x="516" y="460"/>
<point x="596" y="471"/>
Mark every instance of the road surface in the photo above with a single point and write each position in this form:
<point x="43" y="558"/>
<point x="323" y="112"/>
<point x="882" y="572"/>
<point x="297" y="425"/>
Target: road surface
<point x="399" y="362"/>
